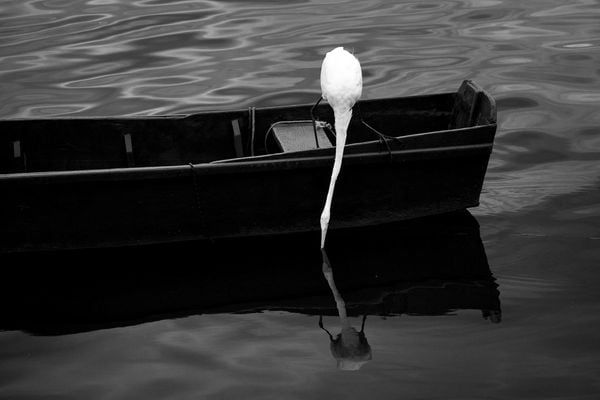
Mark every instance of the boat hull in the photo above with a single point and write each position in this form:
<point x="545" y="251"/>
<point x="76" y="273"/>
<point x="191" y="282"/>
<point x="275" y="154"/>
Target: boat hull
<point x="418" y="171"/>
<point x="129" y="207"/>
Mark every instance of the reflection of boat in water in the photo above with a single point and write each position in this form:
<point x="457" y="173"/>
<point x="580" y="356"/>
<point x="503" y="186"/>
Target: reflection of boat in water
<point x="425" y="266"/>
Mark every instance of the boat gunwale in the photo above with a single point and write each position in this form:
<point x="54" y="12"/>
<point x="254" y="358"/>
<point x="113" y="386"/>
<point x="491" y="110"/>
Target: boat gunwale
<point x="261" y="162"/>
<point x="351" y="146"/>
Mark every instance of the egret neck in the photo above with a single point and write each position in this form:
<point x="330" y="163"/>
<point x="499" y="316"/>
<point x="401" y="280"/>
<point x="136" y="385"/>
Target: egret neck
<point x="342" y="120"/>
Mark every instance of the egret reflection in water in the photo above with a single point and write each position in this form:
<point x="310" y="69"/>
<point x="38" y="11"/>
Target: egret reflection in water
<point x="350" y="347"/>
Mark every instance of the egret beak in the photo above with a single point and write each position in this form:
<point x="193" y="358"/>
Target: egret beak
<point x="324" y="227"/>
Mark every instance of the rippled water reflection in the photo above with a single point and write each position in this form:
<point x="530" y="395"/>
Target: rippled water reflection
<point x="141" y="57"/>
<point x="539" y="212"/>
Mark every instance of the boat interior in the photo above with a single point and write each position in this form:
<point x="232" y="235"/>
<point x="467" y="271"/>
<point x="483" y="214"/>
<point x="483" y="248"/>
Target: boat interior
<point x="71" y="144"/>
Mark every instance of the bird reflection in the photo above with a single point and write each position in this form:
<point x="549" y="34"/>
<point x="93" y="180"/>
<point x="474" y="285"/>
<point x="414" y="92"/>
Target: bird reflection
<point x="494" y="316"/>
<point x="350" y="347"/>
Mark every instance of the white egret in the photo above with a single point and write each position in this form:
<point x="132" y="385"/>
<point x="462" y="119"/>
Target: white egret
<point x="341" y="86"/>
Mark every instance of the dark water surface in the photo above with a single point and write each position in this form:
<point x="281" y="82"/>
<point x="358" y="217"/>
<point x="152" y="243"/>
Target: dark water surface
<point x="539" y="218"/>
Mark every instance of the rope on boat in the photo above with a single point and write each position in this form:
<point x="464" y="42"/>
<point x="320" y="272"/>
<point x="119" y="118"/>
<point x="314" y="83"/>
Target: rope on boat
<point x="382" y="138"/>
<point x="314" y="120"/>
<point x="252" y="114"/>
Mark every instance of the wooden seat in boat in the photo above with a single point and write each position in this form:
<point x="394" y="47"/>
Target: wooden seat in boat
<point x="298" y="136"/>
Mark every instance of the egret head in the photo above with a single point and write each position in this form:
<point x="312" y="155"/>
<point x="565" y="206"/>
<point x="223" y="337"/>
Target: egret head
<point x="350" y="347"/>
<point x="341" y="79"/>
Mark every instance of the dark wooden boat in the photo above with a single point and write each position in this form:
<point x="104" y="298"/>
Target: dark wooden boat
<point x="96" y="182"/>
<point x="425" y="266"/>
